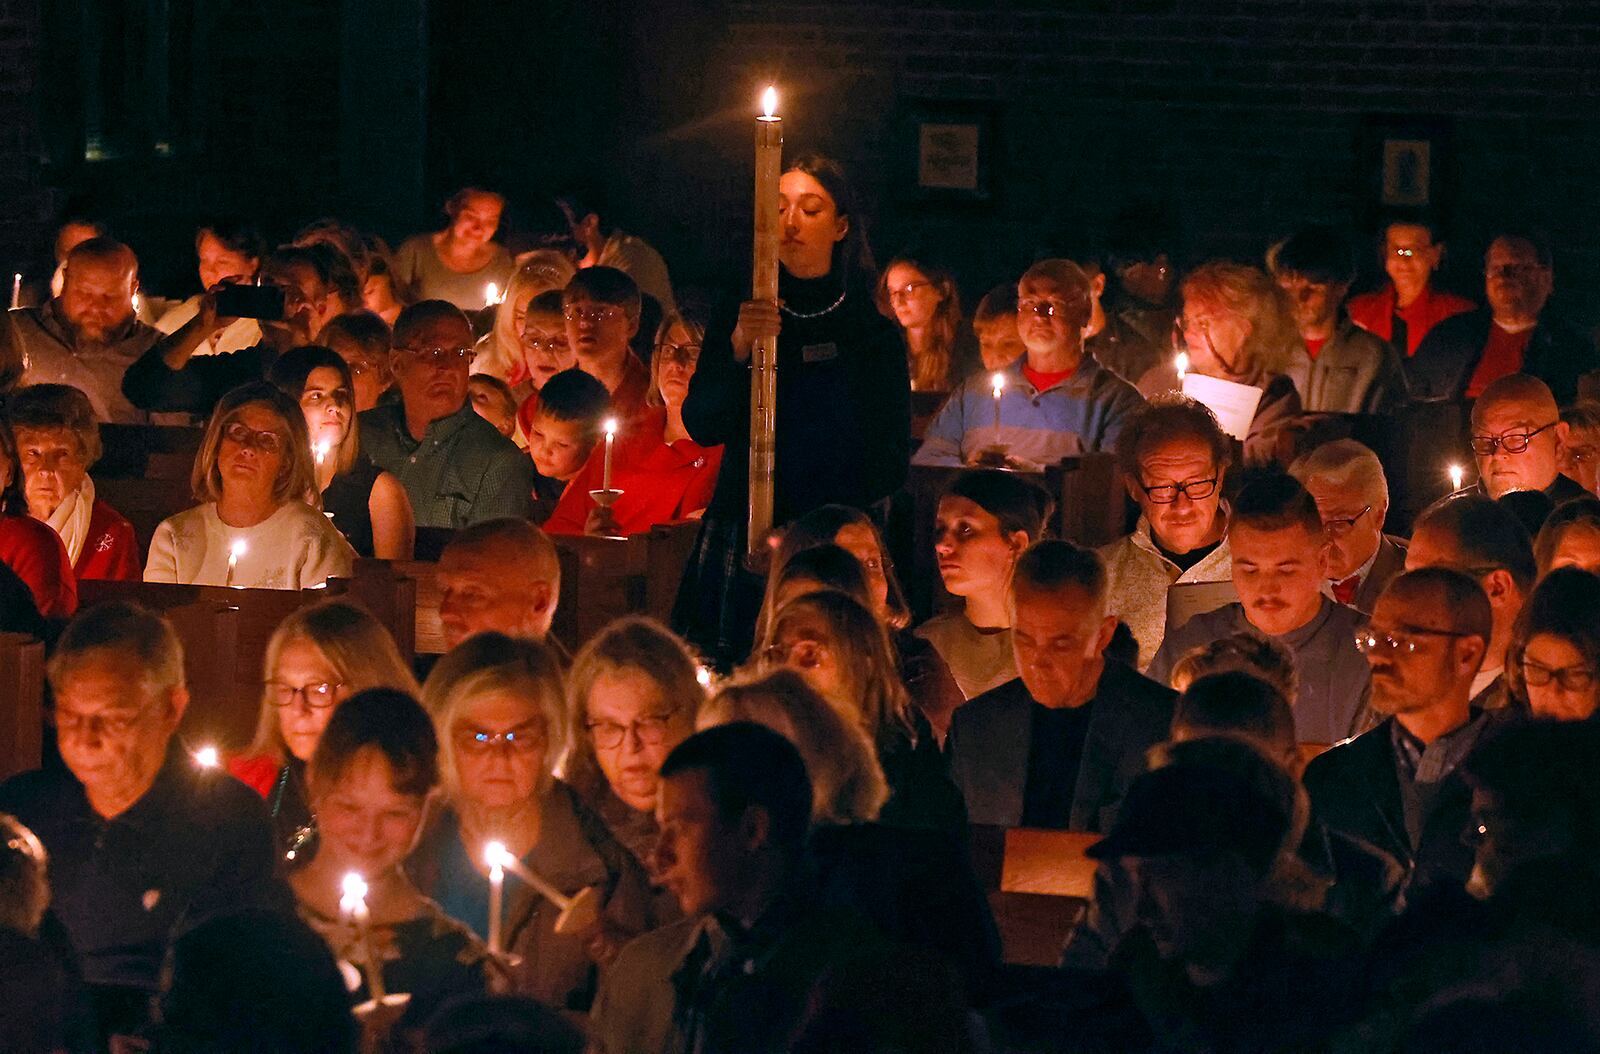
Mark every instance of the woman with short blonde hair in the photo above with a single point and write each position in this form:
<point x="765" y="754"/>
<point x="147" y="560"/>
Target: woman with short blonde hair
<point x="500" y="350"/>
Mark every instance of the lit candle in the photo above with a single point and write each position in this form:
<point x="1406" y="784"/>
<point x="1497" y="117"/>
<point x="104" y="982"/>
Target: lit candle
<point x="207" y="757"/>
<point x="494" y="854"/>
<point x="998" y="381"/>
<point x="234" y="552"/>
<point x="491" y="295"/>
<point x="16" y="290"/>
<point x="764" y="355"/>
<point x="135" y="301"/>
<point x="1182" y="364"/>
<point x="611" y="436"/>
<point x="703" y="675"/>
<point x="320" y="450"/>
<point x="353" y="906"/>
<point x="1457" y="474"/>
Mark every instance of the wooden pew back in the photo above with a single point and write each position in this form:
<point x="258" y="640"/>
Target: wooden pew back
<point x="1039" y="884"/>
<point x="21" y="704"/>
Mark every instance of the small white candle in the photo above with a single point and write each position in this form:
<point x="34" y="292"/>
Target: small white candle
<point x="491" y="295"/>
<point x="611" y="436"/>
<point x="703" y="675"/>
<point x="234" y="552"/>
<point x="494" y="855"/>
<point x="1182" y="364"/>
<point x="998" y="381"/>
<point x="207" y="757"/>
<point x="135" y="302"/>
<point x="353" y="906"/>
<point x="320" y="451"/>
<point x="1457" y="474"/>
<point x="16" y="290"/>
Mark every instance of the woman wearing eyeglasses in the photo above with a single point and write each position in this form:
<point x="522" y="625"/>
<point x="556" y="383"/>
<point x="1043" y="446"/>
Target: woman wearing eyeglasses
<point x="368" y="505"/>
<point x="317" y="658"/>
<point x="664" y="475"/>
<point x="1236" y="326"/>
<point x="253" y="475"/>
<point x="924" y="302"/>
<point x="1553" y="665"/>
<point x="500" y="716"/>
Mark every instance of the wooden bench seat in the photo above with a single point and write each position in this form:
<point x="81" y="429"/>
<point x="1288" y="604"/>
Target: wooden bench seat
<point x="21" y="703"/>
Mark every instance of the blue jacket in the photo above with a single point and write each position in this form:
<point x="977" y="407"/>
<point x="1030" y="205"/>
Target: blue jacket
<point x="1079" y="415"/>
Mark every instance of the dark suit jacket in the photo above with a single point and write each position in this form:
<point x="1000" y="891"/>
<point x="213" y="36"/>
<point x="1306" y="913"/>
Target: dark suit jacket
<point x="991" y="736"/>
<point x="1355" y="791"/>
<point x="1391" y="560"/>
<point x="1442" y="367"/>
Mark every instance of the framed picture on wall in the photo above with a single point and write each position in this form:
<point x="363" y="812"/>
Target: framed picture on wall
<point x="1407" y="172"/>
<point x="1406" y="162"/>
<point x="949" y="146"/>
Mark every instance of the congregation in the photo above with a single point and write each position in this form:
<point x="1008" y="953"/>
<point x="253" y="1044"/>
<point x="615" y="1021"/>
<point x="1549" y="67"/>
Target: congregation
<point x="1315" y="719"/>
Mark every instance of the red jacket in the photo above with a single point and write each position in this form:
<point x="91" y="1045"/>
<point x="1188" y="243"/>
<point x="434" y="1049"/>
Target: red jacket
<point x="1375" y="311"/>
<point x="258" y="772"/>
<point x="34" y="551"/>
<point x="659" y="483"/>
<point x="110" y="551"/>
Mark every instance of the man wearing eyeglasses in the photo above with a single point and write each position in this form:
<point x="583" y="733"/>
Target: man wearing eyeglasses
<point x="141" y="839"/>
<point x="1279" y="566"/>
<point x="1054" y="402"/>
<point x="456" y="467"/>
<point x="602" y="309"/>
<point x="1174" y="457"/>
<point x="1518" y="439"/>
<point x="1397" y="786"/>
<point x="1463" y="355"/>
<point x="1347" y="482"/>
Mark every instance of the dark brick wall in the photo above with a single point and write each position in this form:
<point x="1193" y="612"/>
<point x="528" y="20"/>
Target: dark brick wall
<point x="23" y="203"/>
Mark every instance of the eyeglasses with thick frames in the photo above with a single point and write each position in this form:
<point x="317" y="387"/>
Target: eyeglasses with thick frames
<point x="905" y="292"/>
<point x="1167" y="493"/>
<point x="477" y="741"/>
<point x="268" y="442"/>
<point x="678" y="354"/>
<point x="319" y="695"/>
<point x="1567" y="678"/>
<point x="1343" y="525"/>
<point x="1401" y="640"/>
<point x="1510" y="442"/>
<point x="651" y="730"/>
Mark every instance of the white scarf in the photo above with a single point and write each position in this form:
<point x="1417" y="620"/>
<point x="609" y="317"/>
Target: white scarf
<point x="71" y="519"/>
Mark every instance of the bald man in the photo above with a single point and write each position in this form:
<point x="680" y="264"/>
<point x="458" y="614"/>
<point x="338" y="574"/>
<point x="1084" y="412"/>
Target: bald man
<point x="86" y="337"/>
<point x="1056" y="401"/>
<point x="1518" y="438"/>
<point x="500" y="575"/>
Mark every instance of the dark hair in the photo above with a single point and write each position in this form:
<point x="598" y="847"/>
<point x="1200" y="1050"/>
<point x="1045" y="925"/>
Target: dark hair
<point x="286" y="256"/>
<point x="501" y="389"/>
<point x="1273" y="500"/>
<point x="254" y="979"/>
<point x="455" y="202"/>
<point x="236" y="235"/>
<point x="852" y="255"/>
<point x="605" y="285"/>
<point x="1569" y="515"/>
<point x="343" y="239"/>
<point x="1318" y="254"/>
<point x="500" y="1024"/>
<point x="1140" y="234"/>
<point x="390" y="722"/>
<point x="339" y="268"/>
<point x="1459" y="594"/>
<point x="548" y="302"/>
<point x="366" y="328"/>
<point x="748" y="765"/>
<point x="1236" y="703"/>
<point x="573" y="395"/>
<point x="1018" y="504"/>
<point x="1530" y="507"/>
<point x="1537" y="240"/>
<point x="1487" y="534"/>
<point x="414" y="316"/>
<point x="1563" y="605"/>
<point x="57" y="406"/>
<point x="291" y="370"/>
<point x="1055" y="564"/>
<point x="999" y="302"/>
<point x="1169" y="417"/>
<point x="822" y="525"/>
<point x="13" y="499"/>
<point x="1264" y="658"/>
<point x="830" y="566"/>
<point x="1540" y="765"/>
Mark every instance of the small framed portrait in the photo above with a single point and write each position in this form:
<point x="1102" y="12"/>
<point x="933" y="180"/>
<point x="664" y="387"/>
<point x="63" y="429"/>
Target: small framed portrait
<point x="1407" y="172"/>
<point x="950" y="146"/>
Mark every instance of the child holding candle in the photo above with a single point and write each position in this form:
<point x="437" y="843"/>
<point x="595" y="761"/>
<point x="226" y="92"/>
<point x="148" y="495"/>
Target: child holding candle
<point x="373" y="770"/>
<point x="565" y="429"/>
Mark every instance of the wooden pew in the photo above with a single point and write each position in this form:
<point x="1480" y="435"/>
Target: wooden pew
<point x="1039" y="884"/>
<point x="21" y="704"/>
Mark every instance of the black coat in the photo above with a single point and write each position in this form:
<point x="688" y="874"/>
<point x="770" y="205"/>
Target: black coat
<point x="1445" y="360"/>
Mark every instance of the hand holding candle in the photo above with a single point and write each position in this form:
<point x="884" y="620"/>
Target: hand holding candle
<point x="764" y="354"/>
<point x="353" y="907"/>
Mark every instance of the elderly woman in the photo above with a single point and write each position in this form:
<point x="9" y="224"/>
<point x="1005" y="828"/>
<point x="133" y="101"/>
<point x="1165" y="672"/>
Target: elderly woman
<point x="1553" y="665"/>
<point x="664" y="475"/>
<point x="459" y="263"/>
<point x="498" y="709"/>
<point x="254" y="475"/>
<point x="30" y="550"/>
<point x="844" y="653"/>
<point x="58" y="440"/>
<point x="924" y="302"/>
<point x="370" y="778"/>
<point x="500" y="352"/>
<point x="317" y="658"/>
<point x="632" y="695"/>
<point x="368" y="505"/>
<point x="1236" y="326"/>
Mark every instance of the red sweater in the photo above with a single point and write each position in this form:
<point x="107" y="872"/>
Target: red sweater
<point x="111" y="551"/>
<point x="34" y="551"/>
<point x="258" y="772"/>
<point x="659" y="483"/>
<point x="1374" y="312"/>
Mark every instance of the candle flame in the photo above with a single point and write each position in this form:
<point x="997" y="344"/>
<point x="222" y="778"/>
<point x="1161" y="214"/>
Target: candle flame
<point x="1457" y="474"/>
<point x="491" y="295"/>
<point x="238" y="548"/>
<point x="1182" y="364"/>
<point x="207" y="757"/>
<point x="321" y="451"/>
<point x="135" y="301"/>
<point x="703" y="675"/>
<point x="354" y="888"/>
<point x="610" y="426"/>
<point x="495" y="853"/>
<point x="769" y="101"/>
<point x="999" y="383"/>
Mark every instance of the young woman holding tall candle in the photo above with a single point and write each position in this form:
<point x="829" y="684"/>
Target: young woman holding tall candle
<point x="843" y="424"/>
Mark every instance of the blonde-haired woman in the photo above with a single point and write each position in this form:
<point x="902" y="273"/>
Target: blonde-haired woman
<point x="844" y="653"/>
<point x="500" y="353"/>
<point x="500" y="716"/>
<point x="254" y="528"/>
<point x="317" y="658"/>
<point x="632" y="695"/>
<point x="1236" y="326"/>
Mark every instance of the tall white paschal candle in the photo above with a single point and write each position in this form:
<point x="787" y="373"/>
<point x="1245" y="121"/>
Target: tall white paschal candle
<point x="764" y="356"/>
<point x="611" y="437"/>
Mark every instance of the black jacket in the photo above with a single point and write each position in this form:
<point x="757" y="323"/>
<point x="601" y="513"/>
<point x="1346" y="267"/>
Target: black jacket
<point x="1443" y="365"/>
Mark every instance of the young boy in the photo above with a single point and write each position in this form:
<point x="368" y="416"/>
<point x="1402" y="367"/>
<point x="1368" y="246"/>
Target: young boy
<point x="492" y="399"/>
<point x="564" y="429"/>
<point x="995" y="324"/>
